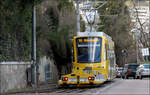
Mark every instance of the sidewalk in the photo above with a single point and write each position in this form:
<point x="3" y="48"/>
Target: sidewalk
<point x="43" y="87"/>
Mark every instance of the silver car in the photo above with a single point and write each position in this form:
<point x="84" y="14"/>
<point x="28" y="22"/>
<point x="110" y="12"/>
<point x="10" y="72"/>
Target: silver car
<point x="143" y="71"/>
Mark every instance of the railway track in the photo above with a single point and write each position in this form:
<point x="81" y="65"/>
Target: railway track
<point x="116" y="87"/>
<point x="68" y="90"/>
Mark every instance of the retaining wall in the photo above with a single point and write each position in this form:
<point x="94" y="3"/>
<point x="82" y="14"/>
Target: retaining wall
<point x="47" y="69"/>
<point x="13" y="75"/>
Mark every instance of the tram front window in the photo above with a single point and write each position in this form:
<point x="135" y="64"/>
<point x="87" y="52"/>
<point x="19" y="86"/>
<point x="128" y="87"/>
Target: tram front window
<point x="89" y="49"/>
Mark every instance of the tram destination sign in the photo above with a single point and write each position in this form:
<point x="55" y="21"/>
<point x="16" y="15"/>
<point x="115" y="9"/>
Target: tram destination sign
<point x="89" y="42"/>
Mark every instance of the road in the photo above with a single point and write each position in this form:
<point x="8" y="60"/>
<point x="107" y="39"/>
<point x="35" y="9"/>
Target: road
<point x="115" y="87"/>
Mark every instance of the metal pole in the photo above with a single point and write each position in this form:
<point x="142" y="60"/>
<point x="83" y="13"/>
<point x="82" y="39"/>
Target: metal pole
<point x="34" y="45"/>
<point x="78" y="16"/>
<point x="149" y="31"/>
<point x="137" y="52"/>
<point x="149" y="19"/>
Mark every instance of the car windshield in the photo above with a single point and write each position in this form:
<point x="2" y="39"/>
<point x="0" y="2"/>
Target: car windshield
<point x="89" y="49"/>
<point x="147" y="66"/>
<point x="133" y="67"/>
<point x="120" y="69"/>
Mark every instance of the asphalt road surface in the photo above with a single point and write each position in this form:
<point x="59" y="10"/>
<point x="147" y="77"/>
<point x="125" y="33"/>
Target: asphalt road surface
<point x="116" y="87"/>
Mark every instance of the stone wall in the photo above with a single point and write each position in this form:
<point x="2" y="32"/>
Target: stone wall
<point x="13" y="75"/>
<point x="47" y="69"/>
<point x="48" y="63"/>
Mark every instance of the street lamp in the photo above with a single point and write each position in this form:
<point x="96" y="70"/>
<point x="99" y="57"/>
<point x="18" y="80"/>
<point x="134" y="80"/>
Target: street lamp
<point x="34" y="45"/>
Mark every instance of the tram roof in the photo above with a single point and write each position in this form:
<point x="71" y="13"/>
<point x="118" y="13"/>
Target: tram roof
<point x="94" y="34"/>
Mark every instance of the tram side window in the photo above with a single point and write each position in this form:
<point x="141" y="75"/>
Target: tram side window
<point x="104" y="57"/>
<point x="106" y="46"/>
<point x="73" y="56"/>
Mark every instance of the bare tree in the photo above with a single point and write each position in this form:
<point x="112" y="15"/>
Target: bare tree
<point x="140" y="26"/>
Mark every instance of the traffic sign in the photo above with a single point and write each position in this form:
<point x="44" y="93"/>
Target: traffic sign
<point x="145" y="51"/>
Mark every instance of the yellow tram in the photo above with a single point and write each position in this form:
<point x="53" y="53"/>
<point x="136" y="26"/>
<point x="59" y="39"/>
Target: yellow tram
<point x="94" y="60"/>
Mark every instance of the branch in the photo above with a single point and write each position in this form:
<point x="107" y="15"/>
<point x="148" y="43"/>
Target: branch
<point x="141" y="26"/>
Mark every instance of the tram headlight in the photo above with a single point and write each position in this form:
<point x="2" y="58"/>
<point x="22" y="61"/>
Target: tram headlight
<point x="65" y="79"/>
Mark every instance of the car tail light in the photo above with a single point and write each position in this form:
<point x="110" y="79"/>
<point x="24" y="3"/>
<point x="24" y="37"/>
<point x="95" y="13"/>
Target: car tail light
<point x="65" y="79"/>
<point x="129" y="70"/>
<point x="91" y="78"/>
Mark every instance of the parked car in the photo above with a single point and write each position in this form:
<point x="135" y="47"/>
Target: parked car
<point x="143" y="71"/>
<point x="129" y="70"/>
<point x="119" y="71"/>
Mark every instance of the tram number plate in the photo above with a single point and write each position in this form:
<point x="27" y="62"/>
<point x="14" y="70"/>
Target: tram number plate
<point x="100" y="77"/>
<point x="83" y="79"/>
<point x="72" y="79"/>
